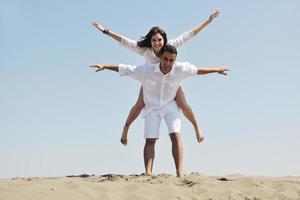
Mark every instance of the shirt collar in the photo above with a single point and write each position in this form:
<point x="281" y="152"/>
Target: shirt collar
<point x="157" y="69"/>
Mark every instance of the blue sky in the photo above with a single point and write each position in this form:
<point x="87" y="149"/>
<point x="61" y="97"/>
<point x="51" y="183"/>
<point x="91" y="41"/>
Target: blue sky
<point x="58" y="117"/>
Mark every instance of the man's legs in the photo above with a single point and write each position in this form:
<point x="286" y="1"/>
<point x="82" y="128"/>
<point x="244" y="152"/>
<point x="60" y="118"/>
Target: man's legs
<point x="151" y="134"/>
<point x="173" y="122"/>
<point x="149" y="154"/>
<point x="177" y="152"/>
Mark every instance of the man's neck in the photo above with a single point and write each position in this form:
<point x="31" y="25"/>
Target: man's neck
<point x="164" y="71"/>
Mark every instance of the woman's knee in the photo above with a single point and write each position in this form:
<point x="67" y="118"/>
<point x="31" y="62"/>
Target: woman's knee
<point x="139" y="105"/>
<point x="140" y="102"/>
<point x="180" y="99"/>
<point x="182" y="104"/>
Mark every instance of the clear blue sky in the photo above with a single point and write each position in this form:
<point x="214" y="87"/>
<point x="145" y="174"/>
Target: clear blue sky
<point x="58" y="117"/>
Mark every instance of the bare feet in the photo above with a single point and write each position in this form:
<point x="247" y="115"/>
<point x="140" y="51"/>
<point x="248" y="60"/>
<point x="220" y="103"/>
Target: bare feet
<point x="179" y="174"/>
<point x="199" y="135"/>
<point x="124" y="139"/>
<point x="148" y="173"/>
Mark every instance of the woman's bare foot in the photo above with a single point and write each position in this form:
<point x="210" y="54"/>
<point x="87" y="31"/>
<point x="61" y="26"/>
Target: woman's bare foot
<point x="199" y="135"/>
<point x="124" y="139"/>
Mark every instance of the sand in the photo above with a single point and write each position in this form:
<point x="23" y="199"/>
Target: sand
<point x="163" y="186"/>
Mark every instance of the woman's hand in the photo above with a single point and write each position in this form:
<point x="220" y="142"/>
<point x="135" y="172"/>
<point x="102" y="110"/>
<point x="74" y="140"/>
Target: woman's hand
<point x="98" y="26"/>
<point x="213" y="15"/>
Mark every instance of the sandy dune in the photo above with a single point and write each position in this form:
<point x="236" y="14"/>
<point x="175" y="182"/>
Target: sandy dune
<point x="114" y="187"/>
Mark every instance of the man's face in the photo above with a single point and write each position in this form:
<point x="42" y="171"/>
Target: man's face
<point x="166" y="61"/>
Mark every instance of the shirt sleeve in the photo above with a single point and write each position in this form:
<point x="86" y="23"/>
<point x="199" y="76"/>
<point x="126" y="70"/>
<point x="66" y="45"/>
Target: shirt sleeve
<point x="188" y="69"/>
<point x="182" y="39"/>
<point x="132" y="45"/>
<point x="135" y="72"/>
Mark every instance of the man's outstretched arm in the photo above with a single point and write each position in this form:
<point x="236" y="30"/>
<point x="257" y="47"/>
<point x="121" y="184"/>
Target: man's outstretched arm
<point x="207" y="70"/>
<point x="100" y="67"/>
<point x="135" y="72"/>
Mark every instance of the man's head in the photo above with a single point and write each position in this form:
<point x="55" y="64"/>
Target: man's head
<point x="168" y="56"/>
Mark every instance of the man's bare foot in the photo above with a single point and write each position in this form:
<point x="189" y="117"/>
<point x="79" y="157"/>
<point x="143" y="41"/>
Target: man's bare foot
<point x="148" y="173"/>
<point x="124" y="139"/>
<point x="179" y="174"/>
<point x="199" y="135"/>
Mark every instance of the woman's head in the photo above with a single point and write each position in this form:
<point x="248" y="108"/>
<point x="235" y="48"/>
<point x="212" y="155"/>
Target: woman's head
<point x="155" y="38"/>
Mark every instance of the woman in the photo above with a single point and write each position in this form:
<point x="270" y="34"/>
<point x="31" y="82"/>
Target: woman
<point x="149" y="47"/>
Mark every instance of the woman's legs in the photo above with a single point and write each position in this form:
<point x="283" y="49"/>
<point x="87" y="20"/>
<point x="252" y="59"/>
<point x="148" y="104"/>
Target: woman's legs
<point x="188" y="113"/>
<point x="133" y="114"/>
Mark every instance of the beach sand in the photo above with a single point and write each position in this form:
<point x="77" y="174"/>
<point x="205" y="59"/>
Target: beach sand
<point x="194" y="186"/>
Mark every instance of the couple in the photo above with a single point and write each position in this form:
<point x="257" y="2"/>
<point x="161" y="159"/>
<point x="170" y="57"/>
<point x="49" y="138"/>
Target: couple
<point x="161" y="94"/>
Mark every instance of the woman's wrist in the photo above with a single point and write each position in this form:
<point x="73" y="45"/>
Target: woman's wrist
<point x="105" y="31"/>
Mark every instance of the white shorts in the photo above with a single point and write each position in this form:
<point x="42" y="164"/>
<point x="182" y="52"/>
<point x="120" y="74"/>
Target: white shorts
<point x="153" y="119"/>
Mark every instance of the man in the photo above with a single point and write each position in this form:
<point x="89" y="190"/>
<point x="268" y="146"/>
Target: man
<point x="160" y="83"/>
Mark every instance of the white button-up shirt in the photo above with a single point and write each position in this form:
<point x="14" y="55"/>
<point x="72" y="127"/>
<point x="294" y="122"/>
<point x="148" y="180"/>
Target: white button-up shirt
<point x="159" y="90"/>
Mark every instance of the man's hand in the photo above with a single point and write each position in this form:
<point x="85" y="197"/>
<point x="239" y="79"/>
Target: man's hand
<point x="98" y="67"/>
<point x="223" y="70"/>
<point x="213" y="15"/>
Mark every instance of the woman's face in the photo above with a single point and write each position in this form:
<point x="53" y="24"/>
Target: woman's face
<point x="157" y="42"/>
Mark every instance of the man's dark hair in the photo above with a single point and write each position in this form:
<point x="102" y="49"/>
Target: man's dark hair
<point x="168" y="48"/>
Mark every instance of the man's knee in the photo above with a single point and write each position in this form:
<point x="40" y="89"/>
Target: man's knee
<point x="150" y="141"/>
<point x="175" y="138"/>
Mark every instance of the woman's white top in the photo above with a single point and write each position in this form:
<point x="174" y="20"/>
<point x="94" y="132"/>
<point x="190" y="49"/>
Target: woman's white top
<point x="148" y="53"/>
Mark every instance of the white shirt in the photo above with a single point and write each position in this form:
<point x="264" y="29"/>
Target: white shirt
<point x="148" y="53"/>
<point x="159" y="89"/>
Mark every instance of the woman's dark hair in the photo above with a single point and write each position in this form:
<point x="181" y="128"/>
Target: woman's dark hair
<point x="146" y="40"/>
<point x="168" y="48"/>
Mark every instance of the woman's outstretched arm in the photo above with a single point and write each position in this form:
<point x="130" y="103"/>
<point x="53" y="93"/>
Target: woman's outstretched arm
<point x="126" y="42"/>
<point x="199" y="27"/>
<point x="108" y="32"/>
<point x="188" y="35"/>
